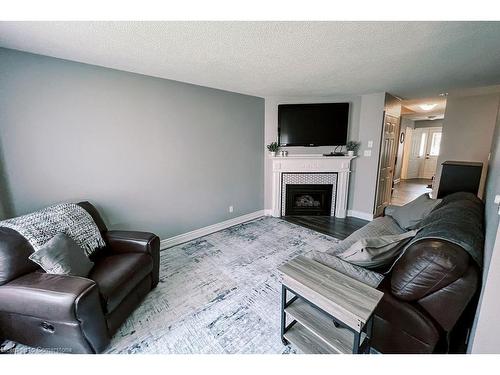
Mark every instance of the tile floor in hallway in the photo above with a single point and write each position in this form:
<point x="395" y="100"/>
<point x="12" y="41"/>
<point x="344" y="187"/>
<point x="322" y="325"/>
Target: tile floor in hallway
<point x="408" y="190"/>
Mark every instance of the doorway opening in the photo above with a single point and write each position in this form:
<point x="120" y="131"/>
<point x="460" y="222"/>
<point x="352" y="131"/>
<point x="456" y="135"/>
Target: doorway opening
<point x="418" y="148"/>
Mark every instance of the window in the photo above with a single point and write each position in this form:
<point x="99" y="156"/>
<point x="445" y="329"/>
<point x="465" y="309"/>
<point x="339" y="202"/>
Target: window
<point x="421" y="151"/>
<point x="435" y="144"/>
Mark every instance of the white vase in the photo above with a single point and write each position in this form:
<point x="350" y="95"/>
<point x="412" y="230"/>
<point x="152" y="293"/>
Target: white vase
<point x="350" y="153"/>
<point x="272" y="154"/>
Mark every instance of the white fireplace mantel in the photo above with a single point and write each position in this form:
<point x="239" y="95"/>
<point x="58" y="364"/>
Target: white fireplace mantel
<point x="313" y="164"/>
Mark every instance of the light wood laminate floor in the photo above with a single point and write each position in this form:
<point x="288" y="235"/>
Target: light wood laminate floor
<point x="408" y="190"/>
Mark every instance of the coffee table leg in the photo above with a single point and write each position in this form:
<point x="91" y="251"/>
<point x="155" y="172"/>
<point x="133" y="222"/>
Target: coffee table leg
<point x="355" y="346"/>
<point x="369" y="333"/>
<point x="283" y="315"/>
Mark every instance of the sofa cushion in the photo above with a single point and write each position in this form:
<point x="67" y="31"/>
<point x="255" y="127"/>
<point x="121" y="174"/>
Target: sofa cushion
<point x="61" y="255"/>
<point x="118" y="275"/>
<point x="381" y="226"/>
<point x="368" y="277"/>
<point x="426" y="267"/>
<point x="411" y="214"/>
<point x="377" y="252"/>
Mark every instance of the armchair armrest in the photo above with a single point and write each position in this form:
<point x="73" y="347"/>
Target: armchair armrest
<point x="120" y="242"/>
<point x="45" y="295"/>
<point x="57" y="301"/>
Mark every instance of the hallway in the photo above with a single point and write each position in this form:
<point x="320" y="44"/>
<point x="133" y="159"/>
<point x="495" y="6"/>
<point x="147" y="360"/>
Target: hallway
<point x="408" y="190"/>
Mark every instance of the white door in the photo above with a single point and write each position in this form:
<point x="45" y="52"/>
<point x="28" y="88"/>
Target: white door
<point x="416" y="154"/>
<point x="432" y="152"/>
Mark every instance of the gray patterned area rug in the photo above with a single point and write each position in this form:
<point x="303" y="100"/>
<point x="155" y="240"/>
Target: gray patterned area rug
<point x="219" y="293"/>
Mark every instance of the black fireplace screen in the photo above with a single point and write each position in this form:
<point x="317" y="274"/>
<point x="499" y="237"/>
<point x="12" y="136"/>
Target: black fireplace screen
<point x="308" y="199"/>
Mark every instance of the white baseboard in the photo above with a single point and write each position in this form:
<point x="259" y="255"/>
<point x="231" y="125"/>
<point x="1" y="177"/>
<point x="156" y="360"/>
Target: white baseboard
<point x="268" y="212"/>
<point x="360" y="215"/>
<point x="189" y="236"/>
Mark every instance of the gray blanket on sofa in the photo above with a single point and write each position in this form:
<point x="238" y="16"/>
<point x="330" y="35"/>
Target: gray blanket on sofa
<point x="381" y="226"/>
<point x="459" y="220"/>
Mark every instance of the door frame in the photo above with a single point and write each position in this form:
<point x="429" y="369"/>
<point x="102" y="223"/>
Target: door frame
<point x="397" y="131"/>
<point x="406" y="152"/>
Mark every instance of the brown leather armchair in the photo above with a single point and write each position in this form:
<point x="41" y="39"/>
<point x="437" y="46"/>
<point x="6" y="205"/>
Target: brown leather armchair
<point x="75" y="314"/>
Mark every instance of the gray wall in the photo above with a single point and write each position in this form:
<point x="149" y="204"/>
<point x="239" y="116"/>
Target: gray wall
<point x="5" y="208"/>
<point x="492" y="189"/>
<point x="486" y="329"/>
<point x="152" y="154"/>
<point x="370" y="129"/>
<point x="468" y="128"/>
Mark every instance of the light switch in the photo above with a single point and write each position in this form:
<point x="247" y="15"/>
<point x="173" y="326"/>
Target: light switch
<point x="370" y="144"/>
<point x="367" y="153"/>
<point x="497" y="202"/>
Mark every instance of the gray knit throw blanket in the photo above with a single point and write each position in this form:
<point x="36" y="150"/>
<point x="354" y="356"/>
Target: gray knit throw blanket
<point x="40" y="226"/>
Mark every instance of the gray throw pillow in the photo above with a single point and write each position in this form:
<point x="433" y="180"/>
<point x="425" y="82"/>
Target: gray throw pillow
<point x="411" y="214"/>
<point x="61" y="255"/>
<point x="376" y="252"/>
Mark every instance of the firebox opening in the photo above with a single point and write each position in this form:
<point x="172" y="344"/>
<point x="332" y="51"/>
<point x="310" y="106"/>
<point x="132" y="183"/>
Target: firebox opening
<point x="308" y="199"/>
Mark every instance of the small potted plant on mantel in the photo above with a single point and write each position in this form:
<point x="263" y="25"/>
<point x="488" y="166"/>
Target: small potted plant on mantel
<point x="352" y="147"/>
<point x="273" y="148"/>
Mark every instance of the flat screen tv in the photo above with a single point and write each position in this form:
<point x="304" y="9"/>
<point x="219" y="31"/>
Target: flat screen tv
<point x="323" y="124"/>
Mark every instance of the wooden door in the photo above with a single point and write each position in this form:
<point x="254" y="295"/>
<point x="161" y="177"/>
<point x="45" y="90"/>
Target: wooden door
<point x="387" y="161"/>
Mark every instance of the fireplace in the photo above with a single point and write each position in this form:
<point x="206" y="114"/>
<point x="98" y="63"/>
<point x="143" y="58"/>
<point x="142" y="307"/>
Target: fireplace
<point x="311" y="191"/>
<point x="308" y="199"/>
<point x="313" y="170"/>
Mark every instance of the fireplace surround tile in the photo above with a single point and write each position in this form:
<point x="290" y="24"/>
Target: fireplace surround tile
<point x="308" y="178"/>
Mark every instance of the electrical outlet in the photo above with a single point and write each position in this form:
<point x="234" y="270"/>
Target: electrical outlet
<point x="367" y="153"/>
<point x="370" y="144"/>
<point x="231" y="208"/>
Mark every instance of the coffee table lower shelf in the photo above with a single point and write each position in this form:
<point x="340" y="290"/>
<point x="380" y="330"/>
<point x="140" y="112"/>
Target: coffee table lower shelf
<point x="306" y="341"/>
<point x="313" y="331"/>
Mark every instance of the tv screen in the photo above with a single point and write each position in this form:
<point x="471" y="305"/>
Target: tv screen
<point x="323" y="124"/>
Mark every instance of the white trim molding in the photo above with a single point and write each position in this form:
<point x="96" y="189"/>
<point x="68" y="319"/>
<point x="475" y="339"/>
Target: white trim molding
<point x="189" y="236"/>
<point x="312" y="164"/>
<point x="360" y="215"/>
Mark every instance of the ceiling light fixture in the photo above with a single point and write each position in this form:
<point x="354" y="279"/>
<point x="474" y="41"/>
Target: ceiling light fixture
<point x="427" y="107"/>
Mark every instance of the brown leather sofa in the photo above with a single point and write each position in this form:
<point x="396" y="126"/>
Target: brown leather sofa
<point x="75" y="314"/>
<point x="432" y="287"/>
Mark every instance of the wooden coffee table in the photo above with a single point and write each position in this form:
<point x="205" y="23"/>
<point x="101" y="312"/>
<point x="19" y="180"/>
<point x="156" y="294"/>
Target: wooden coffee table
<point x="329" y="312"/>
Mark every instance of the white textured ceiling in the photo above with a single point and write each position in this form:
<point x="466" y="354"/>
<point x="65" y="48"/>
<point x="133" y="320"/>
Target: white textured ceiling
<point x="409" y="59"/>
<point x="411" y="108"/>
